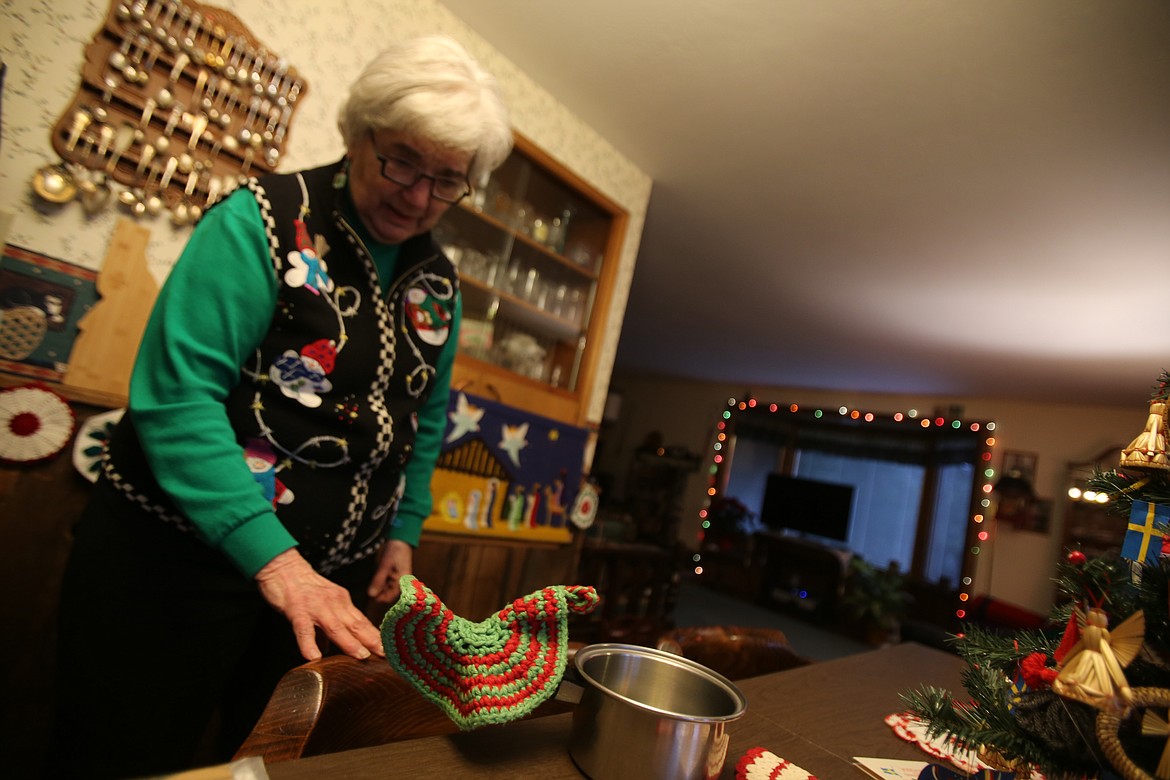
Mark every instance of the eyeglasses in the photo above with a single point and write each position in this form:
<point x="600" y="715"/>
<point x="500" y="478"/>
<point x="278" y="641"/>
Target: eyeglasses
<point x="405" y="173"/>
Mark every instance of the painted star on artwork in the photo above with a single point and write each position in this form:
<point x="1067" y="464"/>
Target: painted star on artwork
<point x="465" y="419"/>
<point x="515" y="439"/>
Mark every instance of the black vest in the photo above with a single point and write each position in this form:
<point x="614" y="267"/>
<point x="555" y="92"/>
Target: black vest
<point x="326" y="408"/>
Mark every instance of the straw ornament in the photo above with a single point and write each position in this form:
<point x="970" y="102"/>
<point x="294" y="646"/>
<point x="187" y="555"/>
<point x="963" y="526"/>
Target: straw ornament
<point x="1109" y="727"/>
<point x="1155" y="725"/>
<point x="1091" y="672"/>
<point x="1148" y="449"/>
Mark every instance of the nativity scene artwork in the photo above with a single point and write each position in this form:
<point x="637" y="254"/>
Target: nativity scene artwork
<point x="504" y="472"/>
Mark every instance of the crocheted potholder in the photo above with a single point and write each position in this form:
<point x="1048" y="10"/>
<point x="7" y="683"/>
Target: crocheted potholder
<point x="761" y="764"/>
<point x="494" y="671"/>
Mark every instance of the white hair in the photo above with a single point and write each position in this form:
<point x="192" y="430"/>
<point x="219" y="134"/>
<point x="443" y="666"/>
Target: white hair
<point x="431" y="87"/>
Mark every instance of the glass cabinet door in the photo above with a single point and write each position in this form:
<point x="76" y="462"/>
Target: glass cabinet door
<point x="529" y="249"/>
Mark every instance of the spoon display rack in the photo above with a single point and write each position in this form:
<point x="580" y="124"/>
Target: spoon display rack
<point x="177" y="101"/>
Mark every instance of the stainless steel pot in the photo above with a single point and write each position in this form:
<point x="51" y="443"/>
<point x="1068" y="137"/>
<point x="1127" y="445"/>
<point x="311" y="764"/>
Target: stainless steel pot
<point x="649" y="714"/>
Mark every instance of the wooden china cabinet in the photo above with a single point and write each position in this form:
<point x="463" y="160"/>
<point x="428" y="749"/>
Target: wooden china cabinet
<point x="1093" y="528"/>
<point x="537" y="249"/>
<point x="537" y="252"/>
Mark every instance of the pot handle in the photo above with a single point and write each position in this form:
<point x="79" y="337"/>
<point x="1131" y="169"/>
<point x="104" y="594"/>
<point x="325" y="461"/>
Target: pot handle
<point x="572" y="686"/>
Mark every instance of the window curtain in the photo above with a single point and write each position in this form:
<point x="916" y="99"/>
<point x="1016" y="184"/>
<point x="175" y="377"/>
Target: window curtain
<point x="886" y="497"/>
<point x="886" y="500"/>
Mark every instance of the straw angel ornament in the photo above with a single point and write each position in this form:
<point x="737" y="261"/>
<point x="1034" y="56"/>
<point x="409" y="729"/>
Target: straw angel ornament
<point x="1091" y="671"/>
<point x="1148" y="449"/>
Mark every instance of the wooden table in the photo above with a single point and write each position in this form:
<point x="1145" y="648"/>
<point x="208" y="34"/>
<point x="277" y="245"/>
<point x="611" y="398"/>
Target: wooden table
<point x="817" y="716"/>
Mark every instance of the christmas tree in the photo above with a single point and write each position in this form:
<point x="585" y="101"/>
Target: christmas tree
<point x="727" y="523"/>
<point x="1090" y="696"/>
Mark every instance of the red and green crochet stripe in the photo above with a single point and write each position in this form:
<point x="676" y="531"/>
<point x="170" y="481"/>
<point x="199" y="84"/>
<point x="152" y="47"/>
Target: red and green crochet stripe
<point x="494" y="671"/>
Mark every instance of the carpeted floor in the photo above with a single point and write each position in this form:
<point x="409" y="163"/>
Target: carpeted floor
<point x="700" y="606"/>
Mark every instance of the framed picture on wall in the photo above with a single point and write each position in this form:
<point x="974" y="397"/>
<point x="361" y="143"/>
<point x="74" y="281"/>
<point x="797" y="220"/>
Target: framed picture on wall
<point x="1019" y="506"/>
<point x="42" y="300"/>
<point x="1039" y="520"/>
<point x="1020" y="464"/>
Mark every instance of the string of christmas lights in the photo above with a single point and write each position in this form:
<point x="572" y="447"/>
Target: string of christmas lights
<point x="981" y="501"/>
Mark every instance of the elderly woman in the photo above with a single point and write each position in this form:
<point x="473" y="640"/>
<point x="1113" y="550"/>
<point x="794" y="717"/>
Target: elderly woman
<point x="286" y="410"/>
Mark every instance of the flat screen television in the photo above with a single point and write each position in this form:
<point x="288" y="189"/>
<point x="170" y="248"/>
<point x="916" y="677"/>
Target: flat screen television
<point x="807" y="506"/>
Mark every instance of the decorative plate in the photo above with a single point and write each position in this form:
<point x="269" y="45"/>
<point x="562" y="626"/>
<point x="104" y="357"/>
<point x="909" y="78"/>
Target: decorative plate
<point x="91" y="440"/>
<point x="35" y="423"/>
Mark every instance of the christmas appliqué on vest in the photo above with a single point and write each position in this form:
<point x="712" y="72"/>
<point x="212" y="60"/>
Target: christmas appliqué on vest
<point x="261" y="462"/>
<point x="307" y="267"/>
<point x="430" y="317"/>
<point x="304" y="375"/>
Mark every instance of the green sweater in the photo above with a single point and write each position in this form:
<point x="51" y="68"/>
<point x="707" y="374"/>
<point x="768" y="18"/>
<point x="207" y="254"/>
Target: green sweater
<point x="213" y="311"/>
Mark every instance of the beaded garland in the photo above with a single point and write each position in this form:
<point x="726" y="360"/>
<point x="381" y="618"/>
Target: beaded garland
<point x="494" y="671"/>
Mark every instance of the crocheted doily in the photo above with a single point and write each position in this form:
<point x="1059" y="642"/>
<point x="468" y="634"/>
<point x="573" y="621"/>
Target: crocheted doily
<point x="913" y="730"/>
<point x="761" y="764"/>
<point x="910" y="728"/>
<point x="494" y="671"/>
<point x="35" y="423"/>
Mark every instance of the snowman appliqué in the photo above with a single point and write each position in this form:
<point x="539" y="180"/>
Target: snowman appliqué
<point x="261" y="462"/>
<point x="307" y="266"/>
<point x="431" y="320"/>
<point x="304" y="375"/>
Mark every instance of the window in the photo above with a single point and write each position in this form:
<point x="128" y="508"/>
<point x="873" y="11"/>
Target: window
<point x="886" y="497"/>
<point x="913" y="485"/>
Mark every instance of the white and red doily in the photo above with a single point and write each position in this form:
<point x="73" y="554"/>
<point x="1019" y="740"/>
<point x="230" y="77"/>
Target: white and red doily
<point x="761" y="764"/>
<point x="35" y="424"/>
<point x="913" y="730"/>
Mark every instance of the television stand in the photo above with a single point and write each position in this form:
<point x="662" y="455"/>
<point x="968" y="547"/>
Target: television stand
<point x="802" y="576"/>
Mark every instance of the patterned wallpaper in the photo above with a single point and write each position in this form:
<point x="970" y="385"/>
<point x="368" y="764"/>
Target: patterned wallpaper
<point x="42" y="45"/>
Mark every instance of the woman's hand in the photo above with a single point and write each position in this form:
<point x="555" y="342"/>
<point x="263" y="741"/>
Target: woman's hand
<point x="310" y="601"/>
<point x="394" y="560"/>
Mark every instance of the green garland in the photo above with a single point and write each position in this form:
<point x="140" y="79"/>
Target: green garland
<point x="1033" y="726"/>
<point x="1124" y="487"/>
<point x="1037" y="727"/>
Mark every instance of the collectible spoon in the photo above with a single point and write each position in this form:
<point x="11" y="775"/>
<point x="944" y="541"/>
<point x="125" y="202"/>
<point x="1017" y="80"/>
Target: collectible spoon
<point x="55" y="183"/>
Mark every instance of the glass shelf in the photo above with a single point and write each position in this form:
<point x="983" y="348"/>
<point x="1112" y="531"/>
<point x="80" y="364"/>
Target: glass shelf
<point x="530" y="250"/>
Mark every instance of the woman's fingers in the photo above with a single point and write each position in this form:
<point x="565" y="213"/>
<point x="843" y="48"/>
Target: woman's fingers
<point x="354" y="634"/>
<point x="306" y="634"/>
<point x="394" y="560"/>
<point x="311" y="601"/>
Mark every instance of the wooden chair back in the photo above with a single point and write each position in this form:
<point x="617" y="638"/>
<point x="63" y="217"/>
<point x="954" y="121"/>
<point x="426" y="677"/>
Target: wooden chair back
<point x="340" y="703"/>
<point x="736" y="652"/>
<point x="638" y="585"/>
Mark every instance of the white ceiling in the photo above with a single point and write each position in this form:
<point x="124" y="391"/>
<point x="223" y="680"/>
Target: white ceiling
<point x="957" y="197"/>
